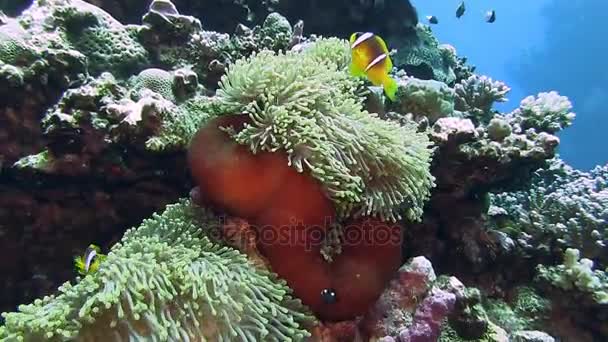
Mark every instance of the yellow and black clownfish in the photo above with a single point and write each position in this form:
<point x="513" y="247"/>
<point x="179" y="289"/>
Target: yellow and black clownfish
<point x="370" y="57"/>
<point x="89" y="262"/>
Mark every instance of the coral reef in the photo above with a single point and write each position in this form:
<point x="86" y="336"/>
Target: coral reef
<point x="578" y="274"/>
<point x="97" y="116"/>
<point x="561" y="208"/>
<point x="420" y="55"/>
<point x="477" y="94"/>
<point x="526" y="311"/>
<point x="87" y="184"/>
<point x="339" y="18"/>
<point x="107" y="44"/>
<point x="546" y="112"/>
<point x="424" y="98"/>
<point x="575" y="286"/>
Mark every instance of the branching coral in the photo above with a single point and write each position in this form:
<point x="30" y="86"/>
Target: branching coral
<point x="563" y="207"/>
<point x="477" y="94"/>
<point x="546" y="112"/>
<point x="166" y="280"/>
<point x="577" y="274"/>
<point x="307" y="105"/>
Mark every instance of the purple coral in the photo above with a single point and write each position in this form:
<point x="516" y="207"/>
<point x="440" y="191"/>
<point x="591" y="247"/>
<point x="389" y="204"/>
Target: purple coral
<point x="429" y="315"/>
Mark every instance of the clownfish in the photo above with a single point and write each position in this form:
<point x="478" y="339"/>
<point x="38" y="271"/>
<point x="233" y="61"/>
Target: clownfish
<point x="370" y="57"/>
<point x="89" y="261"/>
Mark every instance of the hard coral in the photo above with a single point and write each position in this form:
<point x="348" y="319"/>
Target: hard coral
<point x="78" y="25"/>
<point x="546" y="112"/>
<point x="561" y="208"/>
<point x="421" y="56"/>
<point x="166" y="280"/>
<point x="158" y="80"/>
<point x="476" y="95"/>
<point x="424" y="98"/>
<point x="577" y="274"/>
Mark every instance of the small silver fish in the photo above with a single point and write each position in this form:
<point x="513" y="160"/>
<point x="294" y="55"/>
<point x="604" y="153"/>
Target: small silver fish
<point x="432" y="19"/>
<point x="491" y="16"/>
<point x="460" y="10"/>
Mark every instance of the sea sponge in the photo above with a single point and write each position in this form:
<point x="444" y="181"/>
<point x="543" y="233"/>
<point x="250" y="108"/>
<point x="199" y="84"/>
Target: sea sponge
<point x="166" y="280"/>
<point x="311" y="108"/>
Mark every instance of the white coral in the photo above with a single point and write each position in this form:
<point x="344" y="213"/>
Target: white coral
<point x="477" y="94"/>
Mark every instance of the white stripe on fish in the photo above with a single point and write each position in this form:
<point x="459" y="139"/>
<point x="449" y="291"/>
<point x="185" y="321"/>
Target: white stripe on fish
<point x="376" y="60"/>
<point x="362" y="38"/>
<point x="89" y="258"/>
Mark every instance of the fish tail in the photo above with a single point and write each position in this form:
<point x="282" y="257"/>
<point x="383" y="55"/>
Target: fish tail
<point x="390" y="87"/>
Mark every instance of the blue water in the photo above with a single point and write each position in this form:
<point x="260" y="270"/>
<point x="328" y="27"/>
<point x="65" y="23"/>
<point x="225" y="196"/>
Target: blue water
<point x="522" y="35"/>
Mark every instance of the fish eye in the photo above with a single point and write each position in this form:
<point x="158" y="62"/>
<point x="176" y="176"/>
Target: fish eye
<point x="329" y="296"/>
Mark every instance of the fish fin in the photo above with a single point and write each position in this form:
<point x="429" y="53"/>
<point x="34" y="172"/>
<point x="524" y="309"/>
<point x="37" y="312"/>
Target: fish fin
<point x="390" y="87"/>
<point x="353" y="37"/>
<point x="355" y="70"/>
<point x="389" y="63"/>
<point x="79" y="265"/>
<point x="94" y="266"/>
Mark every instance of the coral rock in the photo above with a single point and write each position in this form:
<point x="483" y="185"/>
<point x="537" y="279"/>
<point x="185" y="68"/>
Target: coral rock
<point x="531" y="336"/>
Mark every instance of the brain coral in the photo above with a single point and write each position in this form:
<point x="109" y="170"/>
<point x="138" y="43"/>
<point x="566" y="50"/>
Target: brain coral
<point x="158" y="80"/>
<point x="111" y="48"/>
<point x="166" y="280"/>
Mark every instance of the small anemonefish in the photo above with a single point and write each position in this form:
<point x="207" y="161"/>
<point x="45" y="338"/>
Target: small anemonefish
<point x="370" y="58"/>
<point x="89" y="261"/>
